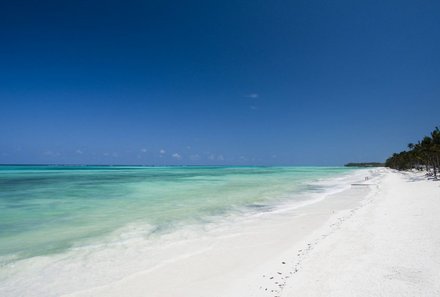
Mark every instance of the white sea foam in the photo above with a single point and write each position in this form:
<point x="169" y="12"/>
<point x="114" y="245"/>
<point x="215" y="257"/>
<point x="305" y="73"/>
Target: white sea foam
<point x="140" y="247"/>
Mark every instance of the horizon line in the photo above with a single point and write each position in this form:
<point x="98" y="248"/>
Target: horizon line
<point x="169" y="165"/>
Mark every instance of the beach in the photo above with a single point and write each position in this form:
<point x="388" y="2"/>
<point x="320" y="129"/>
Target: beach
<point x="389" y="247"/>
<point x="220" y="149"/>
<point x="377" y="235"/>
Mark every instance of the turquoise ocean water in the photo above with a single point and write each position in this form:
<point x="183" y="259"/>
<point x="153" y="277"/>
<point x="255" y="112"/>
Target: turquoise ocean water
<point x="47" y="210"/>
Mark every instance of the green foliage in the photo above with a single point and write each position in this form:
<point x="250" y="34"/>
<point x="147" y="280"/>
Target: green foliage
<point x="423" y="154"/>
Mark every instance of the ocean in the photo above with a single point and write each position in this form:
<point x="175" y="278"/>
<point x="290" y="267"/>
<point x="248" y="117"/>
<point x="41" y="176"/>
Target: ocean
<point x="48" y="213"/>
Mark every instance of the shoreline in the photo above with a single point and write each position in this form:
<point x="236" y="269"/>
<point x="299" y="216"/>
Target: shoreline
<point x="372" y="243"/>
<point x="246" y="259"/>
<point x="362" y="241"/>
<point x="126" y="252"/>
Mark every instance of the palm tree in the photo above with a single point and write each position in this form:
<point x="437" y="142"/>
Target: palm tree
<point x="425" y="152"/>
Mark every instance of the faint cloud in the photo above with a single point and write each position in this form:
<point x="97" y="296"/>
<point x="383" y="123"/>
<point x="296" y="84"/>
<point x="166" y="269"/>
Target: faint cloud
<point x="143" y="150"/>
<point x="162" y="152"/>
<point x="177" y="156"/>
<point x="253" y="107"/>
<point x="252" y="95"/>
<point x="79" y="152"/>
<point x="215" y="157"/>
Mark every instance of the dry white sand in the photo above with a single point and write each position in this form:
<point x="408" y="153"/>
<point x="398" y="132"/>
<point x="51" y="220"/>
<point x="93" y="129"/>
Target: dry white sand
<point x="379" y="240"/>
<point x="390" y="247"/>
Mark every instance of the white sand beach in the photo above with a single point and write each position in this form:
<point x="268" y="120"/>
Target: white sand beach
<point x="380" y="239"/>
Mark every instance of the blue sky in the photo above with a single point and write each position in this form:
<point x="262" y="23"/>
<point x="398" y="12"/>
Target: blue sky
<point x="216" y="82"/>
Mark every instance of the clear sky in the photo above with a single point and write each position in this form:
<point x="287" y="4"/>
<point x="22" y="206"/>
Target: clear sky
<point x="216" y="82"/>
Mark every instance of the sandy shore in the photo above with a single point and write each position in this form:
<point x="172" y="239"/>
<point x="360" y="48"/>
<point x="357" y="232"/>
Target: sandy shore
<point x="376" y="240"/>
<point x="390" y="247"/>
